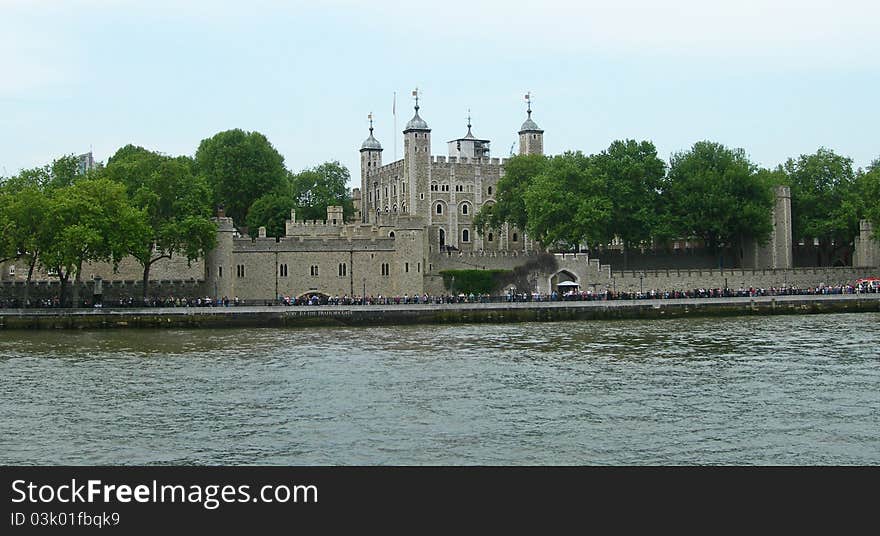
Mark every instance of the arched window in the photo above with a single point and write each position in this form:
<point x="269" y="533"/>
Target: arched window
<point x="394" y="209"/>
<point x="442" y="238"/>
<point x="514" y="237"/>
<point x="464" y="208"/>
<point x="490" y="237"/>
<point x="490" y="190"/>
<point x="465" y="235"/>
<point x="391" y="234"/>
<point x="439" y="208"/>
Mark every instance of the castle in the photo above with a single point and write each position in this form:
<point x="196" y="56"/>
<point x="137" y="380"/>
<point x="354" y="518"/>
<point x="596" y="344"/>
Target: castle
<point x="413" y="219"/>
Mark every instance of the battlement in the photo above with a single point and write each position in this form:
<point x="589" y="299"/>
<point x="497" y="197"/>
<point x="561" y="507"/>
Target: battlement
<point x="312" y="243"/>
<point x="485" y="161"/>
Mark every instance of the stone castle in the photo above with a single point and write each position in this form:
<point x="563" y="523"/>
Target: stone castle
<point x="414" y="219"/>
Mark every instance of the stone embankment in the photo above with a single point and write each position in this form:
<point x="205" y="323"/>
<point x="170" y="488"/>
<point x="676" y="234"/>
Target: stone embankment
<point x="372" y="315"/>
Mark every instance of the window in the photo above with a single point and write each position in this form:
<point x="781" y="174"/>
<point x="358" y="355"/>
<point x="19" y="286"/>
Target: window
<point x="313" y="270"/>
<point x="219" y="271"/>
<point x="439" y="208"/>
<point x="490" y="237"/>
<point x="490" y="190"/>
<point x="421" y="196"/>
<point x="406" y="267"/>
<point x="386" y="269"/>
<point x="459" y="188"/>
<point x="343" y="269"/>
<point x="419" y="267"/>
<point x="239" y="270"/>
<point x="282" y="270"/>
<point x="514" y="238"/>
<point x="391" y="234"/>
<point x="442" y="238"/>
<point x="12" y="270"/>
<point x="464" y="209"/>
<point x="465" y="236"/>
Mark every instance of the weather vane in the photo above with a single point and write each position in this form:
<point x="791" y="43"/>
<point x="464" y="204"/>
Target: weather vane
<point x="415" y="94"/>
<point x="529" y="101"/>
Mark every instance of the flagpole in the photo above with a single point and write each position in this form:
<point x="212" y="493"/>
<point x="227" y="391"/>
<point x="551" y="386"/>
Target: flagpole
<point x="394" y="112"/>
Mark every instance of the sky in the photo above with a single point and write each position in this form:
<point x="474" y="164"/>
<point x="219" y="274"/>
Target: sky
<point x="776" y="78"/>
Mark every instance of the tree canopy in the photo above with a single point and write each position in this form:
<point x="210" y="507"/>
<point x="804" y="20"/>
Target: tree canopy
<point x="716" y="193"/>
<point x="825" y="203"/>
<point x="869" y="190"/>
<point x="633" y="175"/>
<point x="240" y="167"/>
<point x="567" y="203"/>
<point x="510" y="205"/>
<point x="175" y="203"/>
<point x="309" y="192"/>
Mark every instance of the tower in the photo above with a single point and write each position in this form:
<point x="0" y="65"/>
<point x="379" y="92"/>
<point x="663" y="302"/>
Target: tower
<point x="531" y="137"/>
<point x="371" y="161"/>
<point x="417" y="161"/>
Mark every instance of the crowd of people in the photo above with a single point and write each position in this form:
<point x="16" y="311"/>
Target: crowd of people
<point x="316" y="299"/>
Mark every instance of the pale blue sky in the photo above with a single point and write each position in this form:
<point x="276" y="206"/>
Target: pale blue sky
<point x="777" y="78"/>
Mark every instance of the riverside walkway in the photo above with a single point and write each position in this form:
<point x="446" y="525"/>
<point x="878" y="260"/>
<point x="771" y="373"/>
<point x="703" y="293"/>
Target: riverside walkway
<point x="429" y="313"/>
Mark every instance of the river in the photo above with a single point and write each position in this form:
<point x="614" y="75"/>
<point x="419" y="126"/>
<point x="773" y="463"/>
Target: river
<point x="797" y="390"/>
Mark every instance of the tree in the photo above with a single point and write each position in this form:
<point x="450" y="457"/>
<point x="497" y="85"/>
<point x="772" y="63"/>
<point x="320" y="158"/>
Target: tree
<point x="717" y="194"/>
<point x="25" y="201"/>
<point x="90" y="220"/>
<point x="633" y="174"/>
<point x="509" y="206"/>
<point x="271" y="211"/>
<point x="868" y="191"/>
<point x="824" y="201"/>
<point x="175" y="202"/>
<point x="240" y="167"/>
<point x="566" y="204"/>
<point x="317" y="188"/>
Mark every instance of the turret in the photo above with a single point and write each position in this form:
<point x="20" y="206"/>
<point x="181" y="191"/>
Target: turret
<point x="469" y="146"/>
<point x="371" y="161"/>
<point x="417" y="160"/>
<point x="531" y="137"/>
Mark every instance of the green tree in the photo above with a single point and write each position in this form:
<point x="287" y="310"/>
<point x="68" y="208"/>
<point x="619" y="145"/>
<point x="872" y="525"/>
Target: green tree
<point x="509" y="205"/>
<point x="175" y="202"/>
<point x="824" y="201"/>
<point x="633" y="174"/>
<point x="317" y="188"/>
<point x="717" y="194"/>
<point x="868" y="190"/>
<point x="90" y="220"/>
<point x="270" y="211"/>
<point x="25" y="201"/>
<point x="240" y="167"/>
<point x="566" y="204"/>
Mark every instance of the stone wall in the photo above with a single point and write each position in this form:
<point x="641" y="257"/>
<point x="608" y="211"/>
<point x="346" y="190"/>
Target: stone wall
<point x="112" y="291"/>
<point x="634" y="281"/>
<point x="165" y="269"/>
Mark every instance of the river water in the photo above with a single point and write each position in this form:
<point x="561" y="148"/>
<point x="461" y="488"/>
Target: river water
<point x="748" y="390"/>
